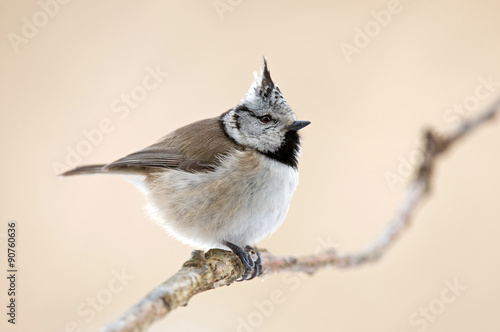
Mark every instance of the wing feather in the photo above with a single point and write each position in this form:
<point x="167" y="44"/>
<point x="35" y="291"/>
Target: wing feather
<point x="197" y="147"/>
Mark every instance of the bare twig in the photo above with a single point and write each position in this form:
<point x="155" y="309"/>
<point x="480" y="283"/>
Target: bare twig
<point x="217" y="267"/>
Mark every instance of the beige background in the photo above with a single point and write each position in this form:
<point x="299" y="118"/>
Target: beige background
<point x="366" y="116"/>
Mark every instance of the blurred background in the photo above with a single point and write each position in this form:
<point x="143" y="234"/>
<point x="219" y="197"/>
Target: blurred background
<point x="90" y="81"/>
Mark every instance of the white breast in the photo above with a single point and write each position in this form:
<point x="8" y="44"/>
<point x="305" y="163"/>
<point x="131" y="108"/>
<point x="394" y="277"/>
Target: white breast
<point x="242" y="201"/>
<point x="267" y="209"/>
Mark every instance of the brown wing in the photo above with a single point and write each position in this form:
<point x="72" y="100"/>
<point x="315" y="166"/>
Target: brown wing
<point x="153" y="157"/>
<point x="196" y="147"/>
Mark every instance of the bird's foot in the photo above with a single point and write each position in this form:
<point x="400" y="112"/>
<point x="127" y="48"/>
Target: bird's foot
<point x="250" y="258"/>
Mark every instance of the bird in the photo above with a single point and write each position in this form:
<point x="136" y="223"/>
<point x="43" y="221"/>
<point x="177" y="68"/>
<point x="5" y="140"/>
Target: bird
<point x="224" y="182"/>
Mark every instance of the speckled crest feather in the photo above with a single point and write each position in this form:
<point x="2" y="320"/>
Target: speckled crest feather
<point x="264" y="94"/>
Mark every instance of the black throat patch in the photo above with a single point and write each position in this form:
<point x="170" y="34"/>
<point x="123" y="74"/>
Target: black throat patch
<point x="288" y="151"/>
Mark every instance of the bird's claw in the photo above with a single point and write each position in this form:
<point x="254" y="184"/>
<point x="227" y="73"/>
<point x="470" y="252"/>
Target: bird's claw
<point x="250" y="258"/>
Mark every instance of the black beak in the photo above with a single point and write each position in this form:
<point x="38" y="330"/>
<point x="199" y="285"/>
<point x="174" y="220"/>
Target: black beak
<point x="298" y="125"/>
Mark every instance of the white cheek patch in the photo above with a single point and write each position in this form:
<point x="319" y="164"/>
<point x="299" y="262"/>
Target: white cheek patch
<point x="271" y="141"/>
<point x="262" y="139"/>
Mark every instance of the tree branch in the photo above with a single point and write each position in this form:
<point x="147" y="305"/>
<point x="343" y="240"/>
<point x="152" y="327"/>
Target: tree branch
<point x="215" y="268"/>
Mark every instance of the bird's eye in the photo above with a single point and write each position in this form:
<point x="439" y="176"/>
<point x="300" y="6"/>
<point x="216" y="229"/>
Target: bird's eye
<point x="265" y="118"/>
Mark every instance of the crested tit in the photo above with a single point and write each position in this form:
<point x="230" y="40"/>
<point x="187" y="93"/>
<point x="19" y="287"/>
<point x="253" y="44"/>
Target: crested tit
<point x="226" y="181"/>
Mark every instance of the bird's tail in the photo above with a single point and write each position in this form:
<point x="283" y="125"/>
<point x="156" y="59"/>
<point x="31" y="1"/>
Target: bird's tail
<point x="88" y="169"/>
